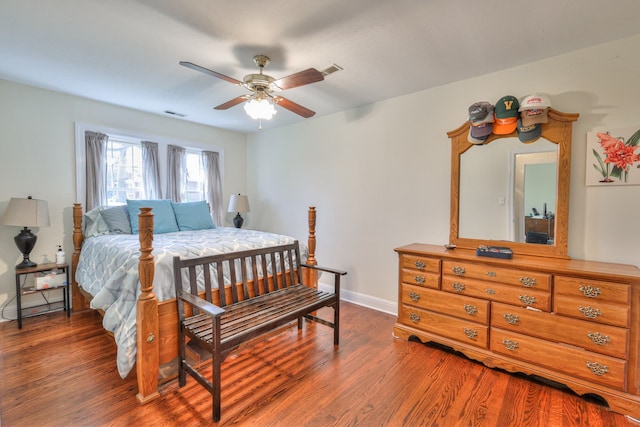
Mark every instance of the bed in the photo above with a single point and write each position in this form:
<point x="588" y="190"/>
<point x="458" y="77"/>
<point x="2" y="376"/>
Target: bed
<point x="138" y="311"/>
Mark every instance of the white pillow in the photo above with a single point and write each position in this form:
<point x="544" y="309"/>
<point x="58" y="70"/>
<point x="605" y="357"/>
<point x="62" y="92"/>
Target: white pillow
<point x="94" y="224"/>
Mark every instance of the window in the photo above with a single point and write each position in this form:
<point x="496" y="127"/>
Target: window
<point x="124" y="171"/>
<point x="125" y="161"/>
<point x="195" y="177"/>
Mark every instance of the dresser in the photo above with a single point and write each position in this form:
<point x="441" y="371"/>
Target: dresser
<point x="539" y="225"/>
<point x="570" y="321"/>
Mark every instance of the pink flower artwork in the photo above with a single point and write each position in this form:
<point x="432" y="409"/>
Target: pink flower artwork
<point x="616" y="156"/>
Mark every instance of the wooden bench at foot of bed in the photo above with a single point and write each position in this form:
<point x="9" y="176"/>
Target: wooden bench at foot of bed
<point x="157" y="322"/>
<point x="257" y="305"/>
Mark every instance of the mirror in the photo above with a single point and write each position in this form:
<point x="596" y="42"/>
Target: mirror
<point x="534" y="195"/>
<point x="496" y="185"/>
<point x="508" y="180"/>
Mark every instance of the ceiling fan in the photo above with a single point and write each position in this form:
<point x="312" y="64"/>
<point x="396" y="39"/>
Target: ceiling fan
<point x="262" y="86"/>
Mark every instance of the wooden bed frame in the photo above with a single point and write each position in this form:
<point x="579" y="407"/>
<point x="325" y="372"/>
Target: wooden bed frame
<point x="157" y="322"/>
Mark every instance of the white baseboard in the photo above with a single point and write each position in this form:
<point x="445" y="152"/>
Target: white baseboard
<point x="374" y="303"/>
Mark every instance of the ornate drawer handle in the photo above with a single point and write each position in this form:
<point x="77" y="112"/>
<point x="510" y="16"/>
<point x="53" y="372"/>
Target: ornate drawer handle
<point x="597" y="368"/>
<point x="471" y="310"/>
<point x="414" y="317"/>
<point x="527" y="300"/>
<point x="414" y="296"/>
<point x="490" y="291"/>
<point x="590" y="312"/>
<point x="529" y="282"/>
<point x="471" y="333"/>
<point x="491" y="273"/>
<point x="599" y="338"/>
<point x="510" y="344"/>
<point x="511" y="319"/>
<point x="458" y="287"/>
<point x="458" y="271"/>
<point x="420" y="264"/>
<point x="590" y="291"/>
<point x="419" y="280"/>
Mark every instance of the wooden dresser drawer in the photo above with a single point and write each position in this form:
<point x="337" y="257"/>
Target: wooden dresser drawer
<point x="462" y="307"/>
<point x="419" y="263"/>
<point x="527" y="279"/>
<point x="569" y="360"/>
<point x="605" y="339"/>
<point x="593" y="310"/>
<point x="414" y="277"/>
<point x="446" y="326"/>
<point x="570" y="321"/>
<point x="595" y="290"/>
<point x="516" y="295"/>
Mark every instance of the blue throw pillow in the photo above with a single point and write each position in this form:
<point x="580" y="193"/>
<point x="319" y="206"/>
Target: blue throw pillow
<point x="164" y="220"/>
<point x="117" y="219"/>
<point x="193" y="215"/>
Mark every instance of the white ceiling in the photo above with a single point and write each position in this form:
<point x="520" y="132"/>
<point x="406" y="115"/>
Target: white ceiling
<point x="126" y="52"/>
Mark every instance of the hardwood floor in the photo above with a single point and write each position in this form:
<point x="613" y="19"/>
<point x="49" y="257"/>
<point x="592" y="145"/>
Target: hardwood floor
<point x="60" y="371"/>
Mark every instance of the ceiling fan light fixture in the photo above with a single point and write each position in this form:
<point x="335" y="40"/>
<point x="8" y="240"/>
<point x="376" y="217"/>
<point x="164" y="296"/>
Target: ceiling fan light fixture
<point x="261" y="109"/>
<point x="257" y="105"/>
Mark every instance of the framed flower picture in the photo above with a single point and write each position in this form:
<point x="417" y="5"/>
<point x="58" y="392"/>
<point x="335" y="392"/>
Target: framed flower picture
<point x="613" y="157"/>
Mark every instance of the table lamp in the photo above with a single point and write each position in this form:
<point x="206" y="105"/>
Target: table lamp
<point x="25" y="213"/>
<point x="238" y="203"/>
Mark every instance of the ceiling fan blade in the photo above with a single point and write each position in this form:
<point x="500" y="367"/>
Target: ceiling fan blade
<point x="301" y="78"/>
<point x="209" y="72"/>
<point x="232" y="103"/>
<point x="293" y="107"/>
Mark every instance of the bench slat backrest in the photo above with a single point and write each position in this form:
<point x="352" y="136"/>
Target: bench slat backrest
<point x="274" y="267"/>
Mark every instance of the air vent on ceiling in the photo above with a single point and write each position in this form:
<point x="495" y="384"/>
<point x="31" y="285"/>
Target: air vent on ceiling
<point x="173" y="113"/>
<point x="331" y="69"/>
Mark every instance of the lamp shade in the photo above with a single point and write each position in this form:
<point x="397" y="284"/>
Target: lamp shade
<point x="26" y="213"/>
<point x="259" y="109"/>
<point x="239" y="203"/>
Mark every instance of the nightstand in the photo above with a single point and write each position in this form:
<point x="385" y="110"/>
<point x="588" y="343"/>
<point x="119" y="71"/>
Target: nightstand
<point x="47" y="307"/>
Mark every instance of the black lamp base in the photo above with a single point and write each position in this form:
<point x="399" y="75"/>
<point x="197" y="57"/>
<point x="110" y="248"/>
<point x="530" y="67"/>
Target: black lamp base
<point x="26" y="263"/>
<point x="25" y="241"/>
<point x="238" y="220"/>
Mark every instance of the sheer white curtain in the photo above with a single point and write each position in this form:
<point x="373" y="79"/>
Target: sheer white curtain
<point x="96" y="178"/>
<point x="176" y="173"/>
<point x="151" y="170"/>
<point x="213" y="185"/>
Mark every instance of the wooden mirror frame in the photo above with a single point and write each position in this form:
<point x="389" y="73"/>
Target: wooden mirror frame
<point x="558" y="130"/>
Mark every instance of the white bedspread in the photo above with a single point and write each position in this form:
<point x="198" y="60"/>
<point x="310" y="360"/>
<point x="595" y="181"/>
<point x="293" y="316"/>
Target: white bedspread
<point x="108" y="270"/>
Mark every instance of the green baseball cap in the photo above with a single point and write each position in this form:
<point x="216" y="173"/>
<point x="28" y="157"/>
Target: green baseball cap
<point x="507" y="107"/>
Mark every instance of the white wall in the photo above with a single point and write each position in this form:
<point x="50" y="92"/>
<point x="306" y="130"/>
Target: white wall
<point x="37" y="158"/>
<point x="379" y="174"/>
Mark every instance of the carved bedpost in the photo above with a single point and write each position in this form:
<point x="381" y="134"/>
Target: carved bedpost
<point x="311" y="276"/>
<point x="148" y="349"/>
<point x="79" y="302"/>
